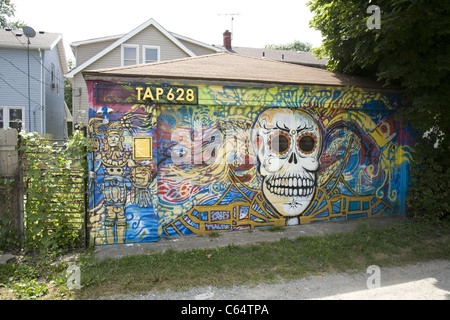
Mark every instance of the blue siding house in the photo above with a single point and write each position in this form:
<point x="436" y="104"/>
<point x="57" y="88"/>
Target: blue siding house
<point x="32" y="83"/>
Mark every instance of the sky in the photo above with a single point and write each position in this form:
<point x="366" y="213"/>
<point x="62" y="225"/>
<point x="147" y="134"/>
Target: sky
<point x="255" y="23"/>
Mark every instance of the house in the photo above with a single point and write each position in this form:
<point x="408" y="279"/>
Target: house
<point x="32" y="83"/>
<point x="147" y="43"/>
<point x="225" y="142"/>
<point x="289" y="56"/>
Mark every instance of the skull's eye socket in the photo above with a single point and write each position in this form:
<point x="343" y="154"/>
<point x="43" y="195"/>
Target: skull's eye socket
<point x="307" y="143"/>
<point x="280" y="142"/>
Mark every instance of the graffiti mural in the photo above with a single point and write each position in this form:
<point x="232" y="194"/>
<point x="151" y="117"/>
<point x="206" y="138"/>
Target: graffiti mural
<point x="123" y="196"/>
<point x="238" y="158"/>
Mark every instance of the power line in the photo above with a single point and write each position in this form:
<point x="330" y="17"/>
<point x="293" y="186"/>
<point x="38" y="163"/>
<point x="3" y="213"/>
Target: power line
<point x="18" y="84"/>
<point x="23" y="95"/>
<point x="18" y="68"/>
<point x="30" y="33"/>
<point x="59" y="96"/>
<point x="25" y="46"/>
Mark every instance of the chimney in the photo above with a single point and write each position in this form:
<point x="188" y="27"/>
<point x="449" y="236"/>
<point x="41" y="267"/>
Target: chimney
<point x="227" y="40"/>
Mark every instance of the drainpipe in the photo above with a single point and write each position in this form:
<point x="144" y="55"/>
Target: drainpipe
<point x="42" y="100"/>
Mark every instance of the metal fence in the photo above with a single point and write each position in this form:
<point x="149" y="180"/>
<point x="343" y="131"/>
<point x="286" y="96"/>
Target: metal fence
<point x="63" y="199"/>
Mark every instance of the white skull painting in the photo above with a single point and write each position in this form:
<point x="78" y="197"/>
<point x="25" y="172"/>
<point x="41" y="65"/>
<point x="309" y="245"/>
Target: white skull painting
<point x="288" y="144"/>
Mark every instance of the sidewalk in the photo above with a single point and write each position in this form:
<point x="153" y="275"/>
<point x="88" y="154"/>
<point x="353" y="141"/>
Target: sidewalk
<point x="223" y="239"/>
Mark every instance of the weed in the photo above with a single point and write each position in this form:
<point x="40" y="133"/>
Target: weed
<point x="273" y="229"/>
<point x="30" y="290"/>
<point x="214" y="234"/>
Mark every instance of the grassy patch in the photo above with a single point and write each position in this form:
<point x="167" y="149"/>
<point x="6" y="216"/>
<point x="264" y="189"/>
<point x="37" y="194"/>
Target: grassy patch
<point x="274" y="229"/>
<point x="266" y="262"/>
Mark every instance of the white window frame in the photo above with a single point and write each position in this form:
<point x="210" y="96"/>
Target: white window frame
<point x="122" y="58"/>
<point x="6" y="115"/>
<point x="144" y="56"/>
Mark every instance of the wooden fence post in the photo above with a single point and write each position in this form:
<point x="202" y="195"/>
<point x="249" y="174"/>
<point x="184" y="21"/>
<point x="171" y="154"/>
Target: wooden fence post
<point x="10" y="170"/>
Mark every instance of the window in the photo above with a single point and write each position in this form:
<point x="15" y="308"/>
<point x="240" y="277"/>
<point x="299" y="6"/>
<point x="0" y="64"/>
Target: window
<point x="53" y="77"/>
<point x="150" y="54"/>
<point x="57" y="81"/>
<point x="10" y="117"/>
<point x="130" y="54"/>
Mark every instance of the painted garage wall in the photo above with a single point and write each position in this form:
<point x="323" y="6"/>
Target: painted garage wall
<point x="170" y="159"/>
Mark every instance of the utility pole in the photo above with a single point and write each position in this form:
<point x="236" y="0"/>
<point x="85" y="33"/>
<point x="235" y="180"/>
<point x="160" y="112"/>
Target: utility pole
<point x="29" y="33"/>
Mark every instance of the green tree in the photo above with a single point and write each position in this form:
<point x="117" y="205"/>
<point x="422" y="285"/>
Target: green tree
<point x="410" y="49"/>
<point x="294" y="46"/>
<point x="7" y="10"/>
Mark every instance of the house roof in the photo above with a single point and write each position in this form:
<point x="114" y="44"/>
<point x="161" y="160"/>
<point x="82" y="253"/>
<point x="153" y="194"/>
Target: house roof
<point x="118" y="36"/>
<point x="16" y="39"/>
<point x="199" y="43"/>
<point x="45" y="41"/>
<point x="233" y="67"/>
<point x="299" y="57"/>
<point x="120" y="39"/>
<point x="95" y="40"/>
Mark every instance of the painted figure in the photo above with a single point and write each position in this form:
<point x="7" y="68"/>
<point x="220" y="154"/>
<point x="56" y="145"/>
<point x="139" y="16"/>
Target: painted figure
<point x="123" y="182"/>
<point x="288" y="144"/>
<point x="114" y="161"/>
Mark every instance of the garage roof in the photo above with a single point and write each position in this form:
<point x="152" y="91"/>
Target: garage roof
<point x="234" y="67"/>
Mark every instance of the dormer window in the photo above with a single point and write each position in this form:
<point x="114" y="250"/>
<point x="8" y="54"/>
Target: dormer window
<point x="150" y="54"/>
<point x="130" y="54"/>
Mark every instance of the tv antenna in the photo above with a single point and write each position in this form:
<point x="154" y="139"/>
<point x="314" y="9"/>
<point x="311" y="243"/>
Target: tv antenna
<point x="232" y="20"/>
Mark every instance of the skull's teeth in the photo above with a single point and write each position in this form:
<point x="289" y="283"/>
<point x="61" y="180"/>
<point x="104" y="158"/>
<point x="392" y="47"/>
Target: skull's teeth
<point x="293" y="186"/>
<point x="300" y="192"/>
<point x="291" y="182"/>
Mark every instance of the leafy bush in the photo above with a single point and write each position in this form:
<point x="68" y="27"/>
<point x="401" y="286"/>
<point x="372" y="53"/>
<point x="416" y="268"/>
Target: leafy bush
<point x="402" y="54"/>
<point x="54" y="177"/>
<point x="428" y="198"/>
